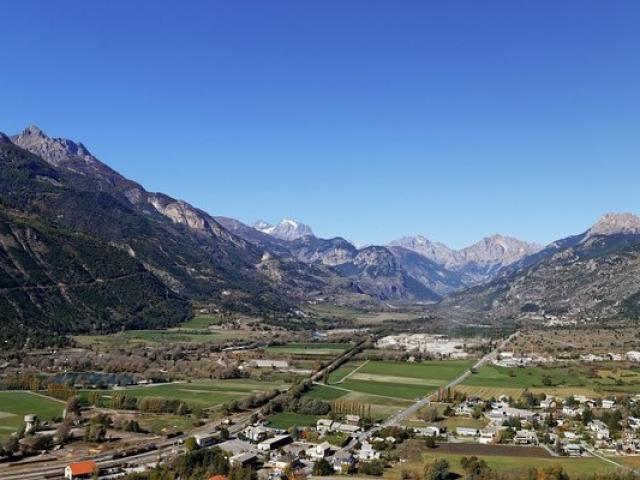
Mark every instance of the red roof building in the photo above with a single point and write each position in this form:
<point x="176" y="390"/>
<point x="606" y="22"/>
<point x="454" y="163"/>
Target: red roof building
<point x="80" y="470"/>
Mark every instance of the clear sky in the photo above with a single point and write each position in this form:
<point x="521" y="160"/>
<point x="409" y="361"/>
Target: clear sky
<point x="365" y="119"/>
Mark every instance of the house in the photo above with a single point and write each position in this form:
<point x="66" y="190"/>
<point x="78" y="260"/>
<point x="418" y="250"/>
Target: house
<point x="600" y="429"/>
<point x="488" y="435"/>
<point x="573" y="450"/>
<point x="571" y="412"/>
<point x="633" y="356"/>
<point x="277" y="364"/>
<point x="320" y="451"/>
<point x="608" y="404"/>
<point x="367" y="452"/>
<point x="549" y="402"/>
<point x="502" y="414"/>
<point x="467" y="432"/>
<point x="525" y="437"/>
<point x="243" y="460"/>
<point x="342" y="462"/>
<point x="282" y="462"/>
<point x="429" y="431"/>
<point x="323" y="426"/>
<point x="352" y="420"/>
<point x="464" y="410"/>
<point x="634" y="423"/>
<point x="274" y="443"/>
<point x="256" y="434"/>
<point x="204" y="439"/>
<point x="348" y="429"/>
<point x="218" y="477"/>
<point x="80" y="470"/>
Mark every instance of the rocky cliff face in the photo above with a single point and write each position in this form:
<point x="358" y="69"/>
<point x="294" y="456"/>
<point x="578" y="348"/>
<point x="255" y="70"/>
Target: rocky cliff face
<point x="75" y="157"/>
<point x="616" y="223"/>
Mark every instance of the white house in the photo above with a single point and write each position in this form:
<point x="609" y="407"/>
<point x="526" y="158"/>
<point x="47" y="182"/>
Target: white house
<point x="321" y="450"/>
<point x="633" y="356"/>
<point x="367" y="452"/>
<point x="323" y="425"/>
<point x="429" y="431"/>
<point x="488" y="435"/>
<point x="256" y="434"/>
<point x="600" y="429"/>
<point x="571" y="412"/>
<point x="204" y="439"/>
<point x="525" y="437"/>
<point x="608" y="404"/>
<point x="467" y="432"/>
<point x="548" y="402"/>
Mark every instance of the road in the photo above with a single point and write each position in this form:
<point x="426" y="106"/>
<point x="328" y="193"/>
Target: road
<point x="166" y="449"/>
<point x="402" y="415"/>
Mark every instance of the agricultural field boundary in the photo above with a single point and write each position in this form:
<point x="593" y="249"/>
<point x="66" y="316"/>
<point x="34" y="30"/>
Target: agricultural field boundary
<point x="352" y="372"/>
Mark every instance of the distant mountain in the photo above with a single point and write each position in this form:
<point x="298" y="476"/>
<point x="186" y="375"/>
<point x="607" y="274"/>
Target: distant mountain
<point x="476" y="263"/>
<point x="591" y="276"/>
<point x="429" y="273"/>
<point x="371" y="271"/>
<point x="285" y="230"/>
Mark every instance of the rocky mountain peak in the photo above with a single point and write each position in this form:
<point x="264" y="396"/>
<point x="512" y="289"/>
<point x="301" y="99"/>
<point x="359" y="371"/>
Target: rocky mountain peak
<point x="436" y="251"/>
<point x="287" y="229"/>
<point x="33" y="131"/>
<point x="613" y="223"/>
<point x="499" y="249"/>
<point x="59" y="151"/>
<point x="4" y="138"/>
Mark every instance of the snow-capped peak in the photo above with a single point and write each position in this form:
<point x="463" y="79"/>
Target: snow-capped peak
<point x="287" y="229"/>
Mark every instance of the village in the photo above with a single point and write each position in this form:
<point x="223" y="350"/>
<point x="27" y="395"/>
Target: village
<point x="324" y="408"/>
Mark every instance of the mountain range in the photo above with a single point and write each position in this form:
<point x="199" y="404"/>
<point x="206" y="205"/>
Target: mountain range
<point x="83" y="249"/>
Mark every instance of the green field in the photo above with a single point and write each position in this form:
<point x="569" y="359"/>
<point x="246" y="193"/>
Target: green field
<point x="325" y="393"/>
<point x="205" y="393"/>
<point x="492" y="380"/>
<point x="395" y="390"/>
<point x="164" y="336"/>
<point x="14" y="405"/>
<point x="339" y="374"/>
<point x="285" y="420"/>
<point x="309" y="348"/>
<point x="439" y="371"/>
<point x="575" y="467"/>
<point x="162" y="424"/>
<point x="494" y="376"/>
<point x="400" y="380"/>
<point x="202" y="322"/>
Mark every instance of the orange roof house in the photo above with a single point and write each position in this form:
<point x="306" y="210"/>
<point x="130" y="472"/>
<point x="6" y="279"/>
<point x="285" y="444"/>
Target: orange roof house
<point x="80" y="470"/>
<point x="219" y="477"/>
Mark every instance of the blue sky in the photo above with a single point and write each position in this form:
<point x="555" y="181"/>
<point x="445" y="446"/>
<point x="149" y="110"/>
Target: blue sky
<point x="365" y="119"/>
